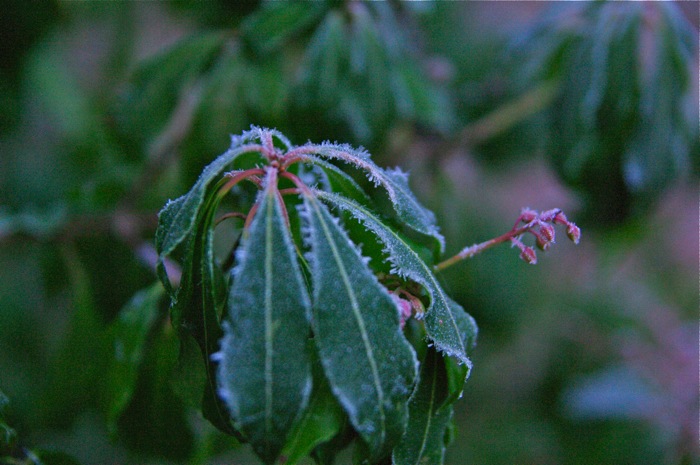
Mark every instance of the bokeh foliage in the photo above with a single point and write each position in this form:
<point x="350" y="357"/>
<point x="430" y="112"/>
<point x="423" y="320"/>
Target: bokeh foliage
<point x="110" y="109"/>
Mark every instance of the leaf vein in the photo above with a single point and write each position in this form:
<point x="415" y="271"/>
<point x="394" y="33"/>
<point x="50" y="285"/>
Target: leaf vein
<point x="269" y="347"/>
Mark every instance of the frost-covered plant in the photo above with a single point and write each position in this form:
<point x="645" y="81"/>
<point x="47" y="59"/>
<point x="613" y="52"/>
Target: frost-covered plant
<point x="323" y="323"/>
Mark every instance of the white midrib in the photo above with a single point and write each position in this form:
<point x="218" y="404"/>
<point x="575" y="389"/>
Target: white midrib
<point x="430" y="278"/>
<point x="358" y="319"/>
<point x="269" y="348"/>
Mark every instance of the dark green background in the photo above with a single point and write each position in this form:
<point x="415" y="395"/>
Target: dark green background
<point x="109" y="109"/>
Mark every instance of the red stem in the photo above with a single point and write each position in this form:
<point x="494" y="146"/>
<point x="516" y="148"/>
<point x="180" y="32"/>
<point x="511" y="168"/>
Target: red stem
<point x="239" y="176"/>
<point x="303" y="188"/>
<point x="472" y="250"/>
<point x="226" y="216"/>
<point x="290" y="191"/>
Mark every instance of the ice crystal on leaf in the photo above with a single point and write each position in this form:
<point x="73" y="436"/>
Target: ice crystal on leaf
<point x="327" y="307"/>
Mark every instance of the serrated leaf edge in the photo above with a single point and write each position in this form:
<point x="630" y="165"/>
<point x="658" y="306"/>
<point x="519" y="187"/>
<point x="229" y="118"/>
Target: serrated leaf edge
<point x="311" y="202"/>
<point x="386" y="235"/>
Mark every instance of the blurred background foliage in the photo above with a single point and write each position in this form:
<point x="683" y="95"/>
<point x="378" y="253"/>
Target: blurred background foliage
<point x="111" y="108"/>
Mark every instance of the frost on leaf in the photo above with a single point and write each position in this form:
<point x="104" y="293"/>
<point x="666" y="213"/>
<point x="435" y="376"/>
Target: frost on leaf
<point x="451" y="329"/>
<point x="288" y="368"/>
<point x="367" y="360"/>
<point x="265" y="369"/>
<point x="393" y="182"/>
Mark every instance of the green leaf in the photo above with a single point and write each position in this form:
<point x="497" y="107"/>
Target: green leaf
<point x="417" y="99"/>
<point x="448" y="326"/>
<point x="222" y="110"/>
<point x="276" y="23"/>
<point x="197" y="304"/>
<point x="196" y="310"/>
<point x="153" y="91"/>
<point x="337" y="180"/>
<point x="321" y="69"/>
<point x="457" y="375"/>
<point x="393" y="182"/>
<point x="623" y="119"/>
<point x="369" y="364"/>
<point x="326" y="453"/>
<point x="38" y="224"/>
<point x="428" y="418"/>
<point x="265" y="370"/>
<point x="370" y="66"/>
<point x="178" y="218"/>
<point x="128" y="338"/>
<point x="321" y="422"/>
<point x="154" y="406"/>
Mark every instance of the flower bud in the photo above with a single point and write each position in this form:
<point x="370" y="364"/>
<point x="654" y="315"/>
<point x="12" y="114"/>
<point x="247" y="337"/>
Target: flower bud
<point x="527" y="215"/>
<point x="547" y="232"/>
<point x="528" y="254"/>
<point x="560" y="218"/>
<point x="573" y="232"/>
<point x="549" y="215"/>
<point x="405" y="310"/>
<point x="542" y="243"/>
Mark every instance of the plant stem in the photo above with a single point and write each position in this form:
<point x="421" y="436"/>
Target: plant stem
<point x="237" y="177"/>
<point x="303" y="188"/>
<point x="506" y="116"/>
<point x="226" y="216"/>
<point x="475" y="249"/>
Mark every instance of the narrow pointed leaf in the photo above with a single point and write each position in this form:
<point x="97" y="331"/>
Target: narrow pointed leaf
<point x="198" y="303"/>
<point x="265" y="370"/>
<point x="212" y="303"/>
<point x="341" y="182"/>
<point x="274" y="25"/>
<point x="195" y="313"/>
<point x="450" y="328"/>
<point x="424" y="441"/>
<point x="127" y="340"/>
<point x="153" y="90"/>
<point x="177" y="219"/>
<point x="395" y="184"/>
<point x="369" y="364"/>
<point x="457" y="375"/>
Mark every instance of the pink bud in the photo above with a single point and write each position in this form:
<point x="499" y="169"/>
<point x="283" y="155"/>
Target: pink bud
<point x="560" y="218"/>
<point x="542" y="243"/>
<point x="549" y="215"/>
<point x="527" y="215"/>
<point x="573" y="232"/>
<point x="405" y="308"/>
<point x="547" y="232"/>
<point x="528" y="254"/>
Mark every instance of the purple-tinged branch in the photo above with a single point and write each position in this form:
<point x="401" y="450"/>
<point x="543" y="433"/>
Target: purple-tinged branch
<point x="539" y="225"/>
<point x="238" y="176"/>
<point x="226" y="216"/>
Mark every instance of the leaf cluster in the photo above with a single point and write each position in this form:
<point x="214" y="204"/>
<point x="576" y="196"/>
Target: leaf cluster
<point x="302" y="338"/>
<point x="624" y="116"/>
<point x="282" y="65"/>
